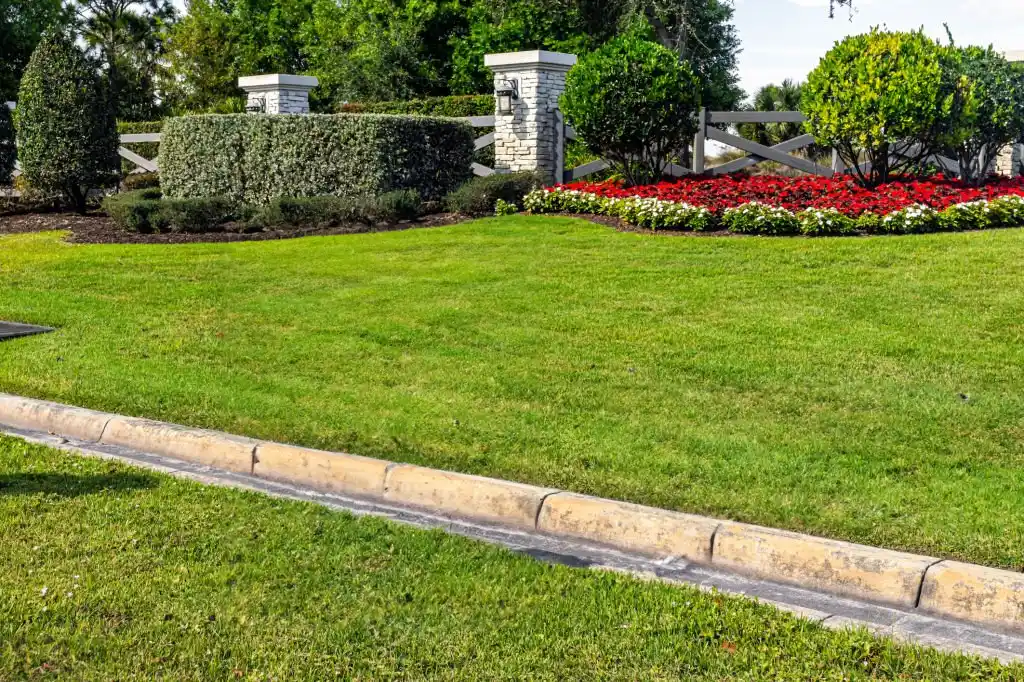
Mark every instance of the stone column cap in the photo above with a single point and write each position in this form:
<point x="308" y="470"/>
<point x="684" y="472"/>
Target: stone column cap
<point x="274" y="81"/>
<point x="558" y="61"/>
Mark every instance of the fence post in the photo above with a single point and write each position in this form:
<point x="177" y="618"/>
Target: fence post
<point x="699" y="141"/>
<point x="837" y="163"/>
<point x="527" y="137"/>
<point x="277" y="93"/>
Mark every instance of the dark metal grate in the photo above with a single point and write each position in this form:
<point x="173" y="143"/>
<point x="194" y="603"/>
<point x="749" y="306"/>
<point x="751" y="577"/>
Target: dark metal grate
<point x="12" y="330"/>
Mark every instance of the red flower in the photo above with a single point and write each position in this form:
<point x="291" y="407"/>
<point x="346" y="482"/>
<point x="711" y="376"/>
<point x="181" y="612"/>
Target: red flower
<point x="799" y="193"/>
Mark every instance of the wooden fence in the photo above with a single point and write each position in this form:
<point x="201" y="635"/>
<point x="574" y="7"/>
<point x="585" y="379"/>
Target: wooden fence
<point x="710" y="126"/>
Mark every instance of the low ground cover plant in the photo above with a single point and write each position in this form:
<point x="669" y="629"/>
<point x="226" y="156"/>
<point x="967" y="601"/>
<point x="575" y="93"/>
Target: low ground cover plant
<point x="148" y="211"/>
<point x="803" y="205"/>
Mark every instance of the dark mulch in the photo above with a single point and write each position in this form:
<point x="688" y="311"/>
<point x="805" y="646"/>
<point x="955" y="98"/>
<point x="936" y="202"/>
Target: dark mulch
<point x="99" y="229"/>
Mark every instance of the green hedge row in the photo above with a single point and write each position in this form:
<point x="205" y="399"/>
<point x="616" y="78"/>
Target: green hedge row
<point x="252" y="159"/>
<point x="459" y="106"/>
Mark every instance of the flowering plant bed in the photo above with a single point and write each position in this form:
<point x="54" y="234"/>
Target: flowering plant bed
<point x="803" y="205"/>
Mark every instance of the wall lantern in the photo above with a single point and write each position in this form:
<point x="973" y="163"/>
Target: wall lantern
<point x="256" y="106"/>
<point x="507" y="93"/>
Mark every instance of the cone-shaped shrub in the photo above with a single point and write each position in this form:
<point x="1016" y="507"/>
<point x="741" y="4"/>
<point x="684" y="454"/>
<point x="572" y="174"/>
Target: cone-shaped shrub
<point x="67" y="135"/>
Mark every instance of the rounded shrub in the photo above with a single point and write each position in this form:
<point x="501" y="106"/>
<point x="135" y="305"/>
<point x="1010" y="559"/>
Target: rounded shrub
<point x="480" y="195"/>
<point x="879" y="93"/>
<point x="8" y="151"/>
<point x="67" y="136"/>
<point x="633" y="103"/>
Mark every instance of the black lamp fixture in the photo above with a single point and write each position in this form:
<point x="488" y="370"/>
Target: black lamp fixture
<point x="256" y="106"/>
<point x="507" y="93"/>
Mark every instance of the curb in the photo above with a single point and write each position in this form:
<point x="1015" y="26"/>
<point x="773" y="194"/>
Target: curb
<point x="967" y="592"/>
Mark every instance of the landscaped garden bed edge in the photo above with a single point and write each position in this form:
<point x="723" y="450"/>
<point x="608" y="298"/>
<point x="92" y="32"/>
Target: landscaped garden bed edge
<point x="976" y="594"/>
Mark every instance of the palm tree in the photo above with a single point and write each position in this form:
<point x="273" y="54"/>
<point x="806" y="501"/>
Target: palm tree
<point x="784" y="97"/>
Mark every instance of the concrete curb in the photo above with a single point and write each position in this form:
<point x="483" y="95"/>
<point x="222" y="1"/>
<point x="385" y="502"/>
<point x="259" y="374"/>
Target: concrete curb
<point x="975" y="594"/>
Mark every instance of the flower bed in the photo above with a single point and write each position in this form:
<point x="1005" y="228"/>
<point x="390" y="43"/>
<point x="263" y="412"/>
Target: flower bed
<point x="804" y="205"/>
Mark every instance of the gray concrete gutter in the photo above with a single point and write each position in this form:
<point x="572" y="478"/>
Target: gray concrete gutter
<point x="933" y="602"/>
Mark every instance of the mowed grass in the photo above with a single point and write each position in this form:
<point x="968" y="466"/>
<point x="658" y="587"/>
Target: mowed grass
<point x="110" y="572"/>
<point x="867" y="389"/>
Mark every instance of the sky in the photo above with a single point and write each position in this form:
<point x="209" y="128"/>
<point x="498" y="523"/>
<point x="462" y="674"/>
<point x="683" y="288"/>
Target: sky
<point x="786" y="38"/>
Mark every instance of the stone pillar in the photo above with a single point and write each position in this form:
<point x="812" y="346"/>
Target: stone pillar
<point x="278" y="93"/>
<point x="1010" y="161"/>
<point x="529" y="139"/>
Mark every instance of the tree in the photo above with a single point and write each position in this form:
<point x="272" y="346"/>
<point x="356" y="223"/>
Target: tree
<point x="701" y="33"/>
<point x="66" y="132"/>
<point x="127" y="39"/>
<point x="8" y="152"/>
<point x="220" y="40"/>
<point x="998" y="120"/>
<point x="373" y="50"/>
<point x="634" y="103"/>
<point x="883" y="101"/>
<point x="513" y="25"/>
<point x="22" y="23"/>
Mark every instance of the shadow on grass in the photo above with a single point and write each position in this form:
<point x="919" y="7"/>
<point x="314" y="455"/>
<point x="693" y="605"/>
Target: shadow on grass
<point x="69" y="485"/>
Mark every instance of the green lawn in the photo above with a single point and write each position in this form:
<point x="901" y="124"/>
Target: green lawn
<point x="807" y="384"/>
<point x="109" y="572"/>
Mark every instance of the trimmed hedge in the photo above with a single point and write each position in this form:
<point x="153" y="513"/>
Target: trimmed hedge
<point x="459" y="106"/>
<point x="253" y="159"/>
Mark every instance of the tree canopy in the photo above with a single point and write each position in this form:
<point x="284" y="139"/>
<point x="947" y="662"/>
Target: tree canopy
<point x="22" y="23"/>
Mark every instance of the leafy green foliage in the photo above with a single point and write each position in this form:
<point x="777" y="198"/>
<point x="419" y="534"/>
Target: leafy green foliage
<point x="702" y="34"/>
<point x="633" y="103"/>
<point x="8" y="150"/>
<point x="127" y="39"/>
<point x="136" y="181"/>
<point x="997" y="116"/>
<point x="511" y="25"/>
<point x="147" y="211"/>
<point x="479" y="195"/>
<point x="253" y="159"/>
<point x="220" y="40"/>
<point x="882" y="93"/>
<point x="67" y="137"/>
<point x="22" y="24"/>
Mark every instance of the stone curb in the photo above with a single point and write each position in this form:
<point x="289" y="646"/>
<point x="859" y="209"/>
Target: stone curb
<point x="976" y="594"/>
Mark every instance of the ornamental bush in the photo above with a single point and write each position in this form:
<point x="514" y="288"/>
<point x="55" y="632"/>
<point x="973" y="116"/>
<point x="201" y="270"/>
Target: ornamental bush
<point x="633" y="103"/>
<point x="997" y="90"/>
<point x="879" y="93"/>
<point x="822" y="222"/>
<point x="67" y="136"/>
<point x="479" y="195"/>
<point x="8" y="150"/>
<point x="253" y="159"/>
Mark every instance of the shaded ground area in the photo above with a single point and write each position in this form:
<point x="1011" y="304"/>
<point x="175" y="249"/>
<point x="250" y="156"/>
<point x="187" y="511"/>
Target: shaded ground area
<point x="109" y="572"/>
<point x="865" y="389"/>
<point x="97" y="228"/>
